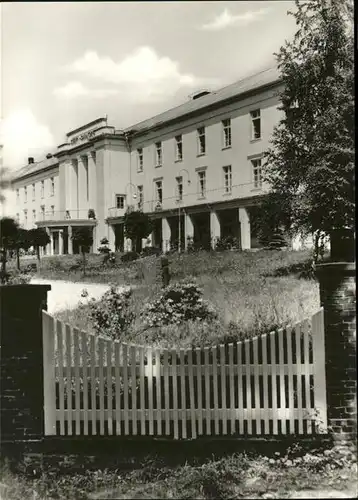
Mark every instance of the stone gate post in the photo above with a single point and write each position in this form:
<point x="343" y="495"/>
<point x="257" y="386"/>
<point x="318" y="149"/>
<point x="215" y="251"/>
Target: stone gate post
<point x="21" y="363"/>
<point x="338" y="298"/>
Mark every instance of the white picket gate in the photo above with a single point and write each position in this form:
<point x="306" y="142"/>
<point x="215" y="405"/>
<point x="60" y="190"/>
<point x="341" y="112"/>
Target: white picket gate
<point x="269" y="385"/>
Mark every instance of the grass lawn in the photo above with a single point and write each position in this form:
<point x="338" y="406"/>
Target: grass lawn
<point x="252" y="292"/>
<point x="235" y="476"/>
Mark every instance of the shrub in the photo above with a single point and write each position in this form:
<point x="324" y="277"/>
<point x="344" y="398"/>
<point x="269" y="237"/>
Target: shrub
<point x="228" y="243"/>
<point x="129" y="256"/>
<point x="111" y="315"/>
<point x="177" y="303"/>
<point x="109" y="258"/>
<point x="147" y="251"/>
<point x="17" y="279"/>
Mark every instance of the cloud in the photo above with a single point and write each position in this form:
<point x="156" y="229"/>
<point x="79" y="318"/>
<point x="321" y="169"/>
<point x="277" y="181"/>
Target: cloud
<point x="76" y="89"/>
<point x="142" y="74"/>
<point x="226" y="19"/>
<point x="22" y="136"/>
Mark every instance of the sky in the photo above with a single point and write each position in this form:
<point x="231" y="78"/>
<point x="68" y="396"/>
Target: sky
<point x="64" y="64"/>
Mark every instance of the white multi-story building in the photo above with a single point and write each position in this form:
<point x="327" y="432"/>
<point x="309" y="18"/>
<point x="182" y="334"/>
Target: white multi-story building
<point x="199" y="163"/>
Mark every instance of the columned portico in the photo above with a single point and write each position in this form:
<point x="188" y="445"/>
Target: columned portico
<point x="215" y="228"/>
<point x="51" y="244"/>
<point x="92" y="179"/>
<point x="245" y="230"/>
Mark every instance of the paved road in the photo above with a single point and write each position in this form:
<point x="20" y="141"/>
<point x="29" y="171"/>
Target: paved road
<point x="67" y="295"/>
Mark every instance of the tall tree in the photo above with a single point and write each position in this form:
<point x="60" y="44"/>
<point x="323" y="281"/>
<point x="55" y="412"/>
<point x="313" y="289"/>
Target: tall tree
<point x="39" y="239"/>
<point x="8" y="234"/>
<point x="310" y="164"/>
<point x="83" y="236"/>
<point x="137" y="225"/>
<point x="21" y="242"/>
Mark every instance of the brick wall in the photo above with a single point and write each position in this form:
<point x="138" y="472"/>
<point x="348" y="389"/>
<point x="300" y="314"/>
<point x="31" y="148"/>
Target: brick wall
<point x="21" y="364"/>
<point x="338" y="298"/>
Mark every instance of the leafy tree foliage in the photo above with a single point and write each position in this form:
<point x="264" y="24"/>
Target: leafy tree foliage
<point x="83" y="236"/>
<point x="39" y="238"/>
<point x="8" y="234"/>
<point x="137" y="225"/>
<point x="310" y="164"/>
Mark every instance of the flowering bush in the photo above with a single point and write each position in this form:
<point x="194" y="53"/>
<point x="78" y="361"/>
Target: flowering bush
<point x="111" y="315"/>
<point x="177" y="303"/>
<point x="228" y="243"/>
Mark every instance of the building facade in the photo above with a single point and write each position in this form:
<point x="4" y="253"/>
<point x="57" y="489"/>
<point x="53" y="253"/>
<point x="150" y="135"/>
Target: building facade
<point x="195" y="169"/>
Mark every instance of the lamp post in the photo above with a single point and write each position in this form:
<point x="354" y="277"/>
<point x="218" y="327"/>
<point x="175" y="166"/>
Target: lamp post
<point x="179" y="200"/>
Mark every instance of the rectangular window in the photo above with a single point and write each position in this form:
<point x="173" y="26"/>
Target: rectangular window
<point x="256" y="166"/>
<point x="53" y="185"/>
<point x="17" y="195"/>
<point x="140" y="197"/>
<point x="25" y="194"/>
<point x="180" y="188"/>
<point x="52" y="210"/>
<point x="43" y="211"/>
<point x="255" y="124"/>
<point x="178" y="148"/>
<point x="201" y="141"/>
<point x="25" y="217"/>
<point x="42" y="189"/>
<point x="33" y="215"/>
<point x="227" y="179"/>
<point x="140" y="159"/>
<point x="158" y="154"/>
<point x="202" y="183"/>
<point x="33" y="192"/>
<point x="226" y="133"/>
<point x="159" y="192"/>
<point x="120" y="201"/>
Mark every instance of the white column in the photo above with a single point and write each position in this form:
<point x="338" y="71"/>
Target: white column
<point x="92" y="181"/>
<point x="127" y="245"/>
<point x="70" y="243"/>
<point x="60" y="242"/>
<point x="82" y="188"/>
<point x="215" y="229"/>
<point x="245" y="230"/>
<point x="48" y="246"/>
<point x="166" y="232"/>
<point x="188" y="229"/>
<point x="147" y="242"/>
<point x="51" y="243"/>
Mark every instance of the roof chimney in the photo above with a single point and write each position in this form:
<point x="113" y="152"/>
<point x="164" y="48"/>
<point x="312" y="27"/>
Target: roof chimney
<point x="30" y="160"/>
<point x="200" y="93"/>
<point x="48" y="156"/>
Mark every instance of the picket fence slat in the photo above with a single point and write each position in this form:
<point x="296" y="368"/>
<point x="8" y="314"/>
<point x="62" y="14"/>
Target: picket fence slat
<point x="109" y="386"/>
<point x="306" y="345"/>
<point x="142" y="387"/>
<point x="166" y="391"/>
<point x="118" y="389"/>
<point x="183" y="394"/>
<point x="175" y="394"/>
<point x="150" y="390"/>
<point x="199" y="381"/>
<point x="223" y="388"/>
<point x="159" y="391"/>
<point x="134" y="390"/>
<point x="93" y="383"/>
<point x="281" y="374"/>
<point x="84" y="358"/>
<point x="256" y="386"/>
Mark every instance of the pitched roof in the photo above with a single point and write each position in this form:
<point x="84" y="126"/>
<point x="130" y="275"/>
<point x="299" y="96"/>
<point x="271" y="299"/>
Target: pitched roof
<point x="32" y="168"/>
<point x="265" y="77"/>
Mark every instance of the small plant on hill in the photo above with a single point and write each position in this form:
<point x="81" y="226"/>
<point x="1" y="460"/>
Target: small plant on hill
<point x="228" y="243"/>
<point x="177" y="303"/>
<point x="104" y="248"/>
<point x="111" y="315"/>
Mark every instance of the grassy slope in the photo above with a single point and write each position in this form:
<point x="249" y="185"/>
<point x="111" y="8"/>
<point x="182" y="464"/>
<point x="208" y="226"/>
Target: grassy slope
<point x="252" y="293"/>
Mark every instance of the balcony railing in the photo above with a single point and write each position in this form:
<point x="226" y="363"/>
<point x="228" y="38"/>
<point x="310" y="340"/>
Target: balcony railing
<point x="83" y="214"/>
<point x="116" y="212"/>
